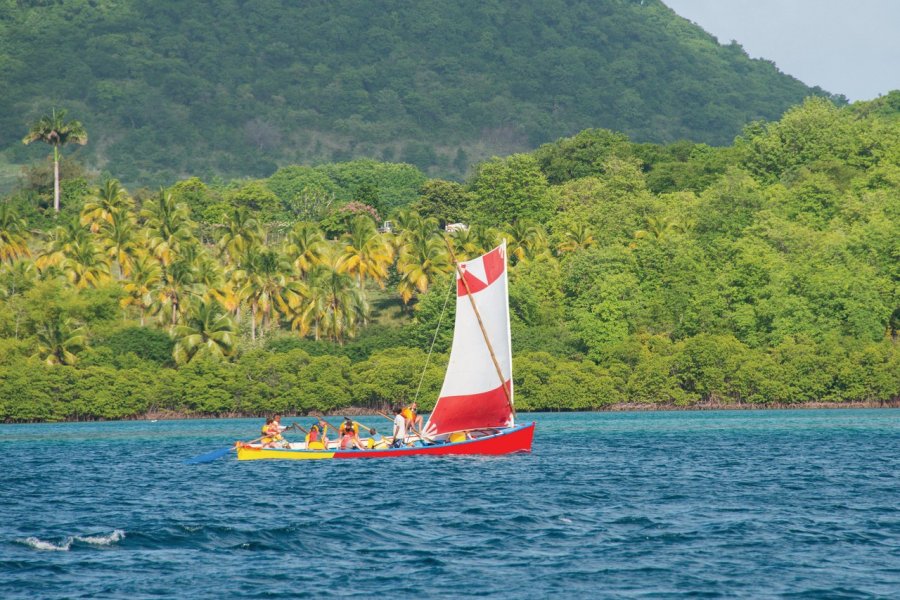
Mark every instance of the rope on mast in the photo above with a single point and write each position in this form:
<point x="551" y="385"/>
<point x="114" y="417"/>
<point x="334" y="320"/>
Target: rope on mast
<point x="434" y="339"/>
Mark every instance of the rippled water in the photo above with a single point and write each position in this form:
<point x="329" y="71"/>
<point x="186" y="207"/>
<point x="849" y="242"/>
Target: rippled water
<point x="662" y="504"/>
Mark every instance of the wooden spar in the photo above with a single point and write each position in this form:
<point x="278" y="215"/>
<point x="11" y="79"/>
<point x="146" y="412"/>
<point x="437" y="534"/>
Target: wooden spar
<point x="481" y="325"/>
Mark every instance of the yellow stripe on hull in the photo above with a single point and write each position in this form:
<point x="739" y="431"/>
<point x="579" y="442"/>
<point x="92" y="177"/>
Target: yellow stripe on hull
<point x="270" y="453"/>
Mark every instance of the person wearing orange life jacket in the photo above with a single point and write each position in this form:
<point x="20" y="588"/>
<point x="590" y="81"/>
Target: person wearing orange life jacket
<point x="412" y="416"/>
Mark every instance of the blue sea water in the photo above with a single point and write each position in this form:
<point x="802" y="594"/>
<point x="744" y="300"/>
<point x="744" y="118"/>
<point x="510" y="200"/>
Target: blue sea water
<point x="798" y="504"/>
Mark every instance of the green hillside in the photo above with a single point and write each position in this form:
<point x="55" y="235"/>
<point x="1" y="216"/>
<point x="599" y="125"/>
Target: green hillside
<point x="231" y="88"/>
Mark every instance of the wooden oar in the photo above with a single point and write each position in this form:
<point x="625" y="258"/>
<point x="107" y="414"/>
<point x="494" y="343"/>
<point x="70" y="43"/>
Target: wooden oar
<point x="214" y="455"/>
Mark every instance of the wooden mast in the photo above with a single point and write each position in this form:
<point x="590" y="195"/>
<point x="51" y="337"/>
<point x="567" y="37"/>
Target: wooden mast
<point x="481" y="325"/>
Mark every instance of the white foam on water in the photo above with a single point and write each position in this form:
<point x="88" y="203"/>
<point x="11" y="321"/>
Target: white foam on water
<point x="102" y="540"/>
<point x="65" y="545"/>
<point x="39" y="544"/>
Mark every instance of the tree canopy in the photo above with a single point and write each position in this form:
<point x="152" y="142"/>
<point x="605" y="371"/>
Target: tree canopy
<point x="766" y="272"/>
<point x="240" y="89"/>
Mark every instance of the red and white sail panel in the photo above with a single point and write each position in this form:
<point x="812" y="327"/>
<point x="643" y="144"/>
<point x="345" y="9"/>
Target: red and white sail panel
<point x="473" y="395"/>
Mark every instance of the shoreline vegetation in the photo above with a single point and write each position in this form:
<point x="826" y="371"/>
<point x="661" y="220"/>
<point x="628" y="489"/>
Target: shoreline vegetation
<point x="355" y="411"/>
<point x="640" y="275"/>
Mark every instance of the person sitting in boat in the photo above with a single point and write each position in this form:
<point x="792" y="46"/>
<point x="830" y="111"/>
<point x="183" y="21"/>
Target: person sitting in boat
<point x="323" y="430"/>
<point x="350" y="437"/>
<point x="375" y="440"/>
<point x="412" y="416"/>
<point x="399" y="428"/>
<point x="271" y="434"/>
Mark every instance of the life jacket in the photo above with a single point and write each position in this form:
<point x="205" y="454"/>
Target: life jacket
<point x="407" y="414"/>
<point x="313" y="435"/>
<point x="458" y="436"/>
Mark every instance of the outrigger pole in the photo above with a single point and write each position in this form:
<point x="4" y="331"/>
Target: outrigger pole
<point x="487" y="340"/>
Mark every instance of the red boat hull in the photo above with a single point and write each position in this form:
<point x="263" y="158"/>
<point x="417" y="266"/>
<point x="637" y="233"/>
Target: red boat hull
<point x="516" y="439"/>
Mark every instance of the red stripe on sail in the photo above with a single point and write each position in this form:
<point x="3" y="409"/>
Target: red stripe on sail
<point x="494" y="264"/>
<point x="473" y="411"/>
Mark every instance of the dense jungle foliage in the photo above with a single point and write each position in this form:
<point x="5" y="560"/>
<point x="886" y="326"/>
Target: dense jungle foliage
<point x="235" y="89"/>
<point x="764" y="272"/>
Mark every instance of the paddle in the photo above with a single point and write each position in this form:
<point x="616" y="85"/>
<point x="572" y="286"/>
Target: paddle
<point x="214" y="455"/>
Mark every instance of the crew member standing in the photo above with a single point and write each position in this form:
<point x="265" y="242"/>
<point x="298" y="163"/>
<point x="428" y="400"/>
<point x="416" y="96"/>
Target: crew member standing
<point x="399" y="428"/>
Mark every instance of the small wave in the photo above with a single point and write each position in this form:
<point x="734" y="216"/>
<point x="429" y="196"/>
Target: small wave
<point x="39" y="544"/>
<point x="65" y="545"/>
<point x="102" y="540"/>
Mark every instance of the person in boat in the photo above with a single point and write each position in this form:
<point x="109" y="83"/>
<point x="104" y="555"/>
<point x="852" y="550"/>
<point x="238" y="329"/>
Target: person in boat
<point x="264" y="439"/>
<point x="271" y="434"/>
<point x="375" y="440"/>
<point x="350" y="437"/>
<point x="323" y="430"/>
<point x="413" y="418"/>
<point x="399" y="428"/>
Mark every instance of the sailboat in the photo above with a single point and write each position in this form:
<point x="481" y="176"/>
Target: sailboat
<point x="475" y="412"/>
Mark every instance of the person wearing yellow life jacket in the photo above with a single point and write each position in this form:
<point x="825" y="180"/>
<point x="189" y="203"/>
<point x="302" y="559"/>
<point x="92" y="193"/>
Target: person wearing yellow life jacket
<point x="266" y="440"/>
<point x="375" y="440"/>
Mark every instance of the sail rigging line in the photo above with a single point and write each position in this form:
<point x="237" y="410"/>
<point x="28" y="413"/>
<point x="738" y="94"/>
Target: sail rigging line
<point x="484" y="332"/>
<point x="433" y="340"/>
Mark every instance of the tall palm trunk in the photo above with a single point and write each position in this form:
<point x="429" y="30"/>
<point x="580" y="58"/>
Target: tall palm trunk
<point x="56" y="178"/>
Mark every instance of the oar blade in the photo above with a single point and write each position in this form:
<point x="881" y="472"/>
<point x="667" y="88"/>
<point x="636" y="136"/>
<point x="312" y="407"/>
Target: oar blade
<point x="209" y="456"/>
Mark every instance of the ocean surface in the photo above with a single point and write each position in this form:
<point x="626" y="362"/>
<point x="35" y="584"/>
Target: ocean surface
<point x="755" y="504"/>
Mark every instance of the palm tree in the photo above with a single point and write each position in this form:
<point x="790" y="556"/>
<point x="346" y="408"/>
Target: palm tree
<point x="52" y="129"/>
<point x="659" y="229"/>
<point x="109" y="199"/>
<point x="58" y="341"/>
<point x="173" y="291"/>
<point x="423" y="258"/>
<point x="241" y="232"/>
<point x="474" y="241"/>
<point x="17" y="277"/>
<point x="85" y="265"/>
<point x="305" y="247"/>
<point x="142" y="280"/>
<point x="366" y="252"/>
<point x="13" y="243"/>
<point x="168" y="227"/>
<point x="577" y="237"/>
<point x="262" y="273"/>
<point x="120" y="240"/>
<point x="329" y="303"/>
<point x="61" y="243"/>
<point x="207" y="331"/>
<point x="526" y="241"/>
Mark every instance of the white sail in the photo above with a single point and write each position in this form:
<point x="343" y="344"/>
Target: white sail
<point x="474" y="394"/>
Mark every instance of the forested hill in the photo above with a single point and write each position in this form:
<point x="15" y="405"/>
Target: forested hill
<point x="236" y="88"/>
